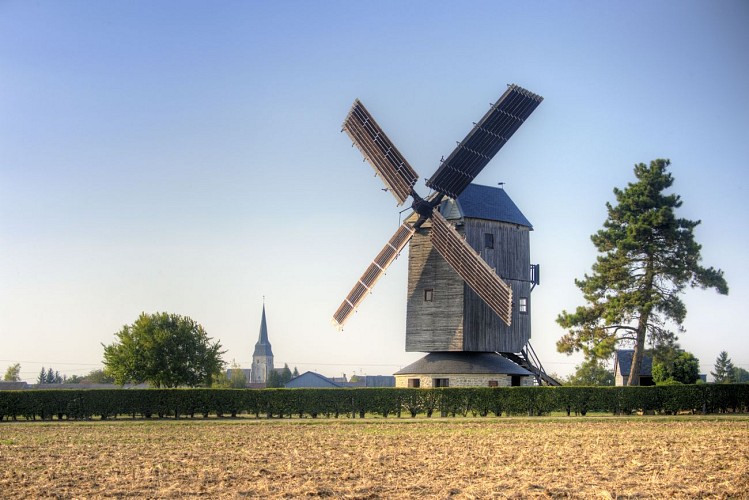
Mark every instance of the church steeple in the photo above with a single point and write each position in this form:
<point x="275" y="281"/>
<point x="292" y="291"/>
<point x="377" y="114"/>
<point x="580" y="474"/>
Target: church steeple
<point x="262" y="347"/>
<point x="262" y="357"/>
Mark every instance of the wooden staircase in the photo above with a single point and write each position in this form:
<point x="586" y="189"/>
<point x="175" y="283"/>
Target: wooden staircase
<point x="528" y="359"/>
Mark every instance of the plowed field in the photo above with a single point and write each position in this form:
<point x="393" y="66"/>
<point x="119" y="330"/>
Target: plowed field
<point x="376" y="458"/>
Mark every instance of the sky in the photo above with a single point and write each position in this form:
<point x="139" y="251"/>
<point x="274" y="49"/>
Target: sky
<point x="187" y="157"/>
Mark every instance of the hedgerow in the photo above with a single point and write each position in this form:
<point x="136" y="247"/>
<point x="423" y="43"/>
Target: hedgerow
<point x="85" y="404"/>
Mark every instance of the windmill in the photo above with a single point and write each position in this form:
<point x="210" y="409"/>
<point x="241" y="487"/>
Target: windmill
<point x="451" y="179"/>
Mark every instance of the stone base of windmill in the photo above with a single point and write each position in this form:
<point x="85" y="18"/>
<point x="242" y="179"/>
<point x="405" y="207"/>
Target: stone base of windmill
<point x="463" y="369"/>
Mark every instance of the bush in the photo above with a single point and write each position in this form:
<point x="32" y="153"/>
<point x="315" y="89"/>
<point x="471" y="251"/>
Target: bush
<point x="80" y="404"/>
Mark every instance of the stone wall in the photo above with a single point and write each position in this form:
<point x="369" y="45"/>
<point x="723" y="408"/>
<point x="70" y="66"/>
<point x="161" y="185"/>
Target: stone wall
<point x="462" y="380"/>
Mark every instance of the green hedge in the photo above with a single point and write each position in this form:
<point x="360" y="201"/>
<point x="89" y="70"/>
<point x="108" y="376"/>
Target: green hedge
<point x="270" y="403"/>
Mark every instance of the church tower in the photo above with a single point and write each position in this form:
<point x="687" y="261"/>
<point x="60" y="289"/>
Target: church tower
<point x="262" y="358"/>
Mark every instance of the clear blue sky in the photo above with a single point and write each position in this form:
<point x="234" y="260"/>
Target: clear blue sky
<point x="187" y="157"/>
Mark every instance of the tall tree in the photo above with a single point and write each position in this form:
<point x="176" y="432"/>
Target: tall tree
<point x="42" y="377"/>
<point x="591" y="372"/>
<point x="166" y="350"/>
<point x="740" y="375"/>
<point x="13" y="373"/>
<point x="683" y="368"/>
<point x="647" y="257"/>
<point x="53" y="377"/>
<point x="97" y="376"/>
<point x="273" y="380"/>
<point x="285" y="374"/>
<point x="237" y="379"/>
<point x="725" y="372"/>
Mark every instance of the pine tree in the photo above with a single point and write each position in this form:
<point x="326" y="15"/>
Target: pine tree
<point x="42" y="378"/>
<point x="724" y="370"/>
<point x="647" y="257"/>
<point x="285" y="375"/>
<point x="274" y="380"/>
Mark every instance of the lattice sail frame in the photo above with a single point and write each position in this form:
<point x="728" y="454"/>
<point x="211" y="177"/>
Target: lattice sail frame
<point x="471" y="267"/>
<point x="376" y="269"/>
<point x="380" y="152"/>
<point x="484" y="141"/>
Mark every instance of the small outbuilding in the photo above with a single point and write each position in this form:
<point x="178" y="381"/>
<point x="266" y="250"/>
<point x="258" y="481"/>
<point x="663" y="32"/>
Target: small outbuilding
<point x="623" y="365"/>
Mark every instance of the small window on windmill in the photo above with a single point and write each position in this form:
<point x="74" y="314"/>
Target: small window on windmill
<point x="440" y="382"/>
<point x="414" y="383"/>
<point x="488" y="240"/>
<point x="523" y="305"/>
<point x="428" y="295"/>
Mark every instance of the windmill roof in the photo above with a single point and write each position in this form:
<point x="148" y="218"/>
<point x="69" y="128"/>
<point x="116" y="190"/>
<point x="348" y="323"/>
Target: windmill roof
<point x="624" y="362"/>
<point x="463" y="363"/>
<point x="490" y="203"/>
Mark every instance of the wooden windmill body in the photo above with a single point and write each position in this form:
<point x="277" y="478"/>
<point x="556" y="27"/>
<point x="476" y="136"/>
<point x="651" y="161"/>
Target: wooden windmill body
<point x="444" y="313"/>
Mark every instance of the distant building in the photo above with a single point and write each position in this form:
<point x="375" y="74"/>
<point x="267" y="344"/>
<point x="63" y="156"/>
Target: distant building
<point x="623" y="365"/>
<point x="262" y="357"/>
<point x="372" y="381"/>
<point x="312" y="379"/>
<point x="13" y="386"/>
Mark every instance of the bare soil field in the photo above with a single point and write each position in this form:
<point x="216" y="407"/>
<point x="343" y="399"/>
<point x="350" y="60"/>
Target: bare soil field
<point x="685" y="457"/>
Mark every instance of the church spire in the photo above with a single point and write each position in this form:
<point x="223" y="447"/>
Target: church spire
<point x="262" y="347"/>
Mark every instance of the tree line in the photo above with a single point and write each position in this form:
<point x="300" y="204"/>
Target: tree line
<point x="673" y="366"/>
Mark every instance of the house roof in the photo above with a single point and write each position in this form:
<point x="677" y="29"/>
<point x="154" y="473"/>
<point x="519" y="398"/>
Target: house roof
<point x="262" y="347"/>
<point x="490" y="203"/>
<point x="12" y="386"/>
<point x="623" y="363"/>
<point x="472" y="363"/>
<point x="311" y="379"/>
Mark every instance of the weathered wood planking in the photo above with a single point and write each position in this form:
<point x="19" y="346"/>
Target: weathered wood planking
<point x="435" y="325"/>
<point x="510" y="258"/>
<point x="457" y="319"/>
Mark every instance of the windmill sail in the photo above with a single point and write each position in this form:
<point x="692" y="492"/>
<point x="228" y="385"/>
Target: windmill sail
<point x="471" y="267"/>
<point x="484" y="141"/>
<point x="377" y="149"/>
<point x="467" y="160"/>
<point x="376" y="269"/>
